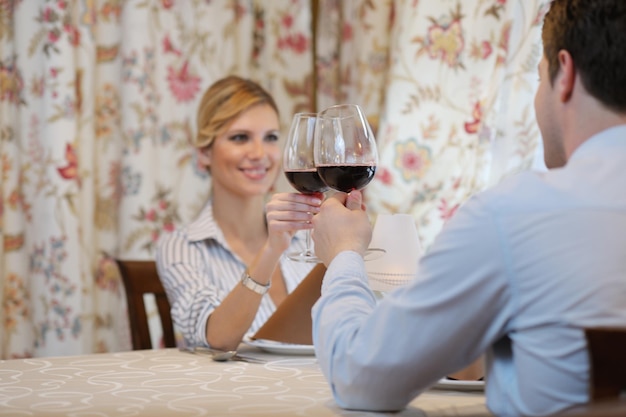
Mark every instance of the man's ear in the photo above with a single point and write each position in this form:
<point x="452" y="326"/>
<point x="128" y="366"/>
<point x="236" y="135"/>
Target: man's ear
<point x="567" y="76"/>
<point x="204" y="156"/>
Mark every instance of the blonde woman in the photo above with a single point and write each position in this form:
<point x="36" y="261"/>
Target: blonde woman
<point x="225" y="272"/>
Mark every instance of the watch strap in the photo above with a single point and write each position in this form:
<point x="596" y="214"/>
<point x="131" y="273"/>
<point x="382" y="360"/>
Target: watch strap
<point x="248" y="282"/>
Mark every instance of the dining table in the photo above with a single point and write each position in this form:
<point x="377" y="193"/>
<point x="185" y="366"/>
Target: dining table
<point x="177" y="382"/>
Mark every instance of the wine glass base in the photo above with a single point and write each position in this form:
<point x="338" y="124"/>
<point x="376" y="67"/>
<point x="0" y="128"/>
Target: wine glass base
<point x="304" y="257"/>
<point x="373" y="253"/>
<point x="370" y="255"/>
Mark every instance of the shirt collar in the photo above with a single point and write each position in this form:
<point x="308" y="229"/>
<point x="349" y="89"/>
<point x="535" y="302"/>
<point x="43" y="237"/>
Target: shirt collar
<point x="613" y="138"/>
<point x="204" y="226"/>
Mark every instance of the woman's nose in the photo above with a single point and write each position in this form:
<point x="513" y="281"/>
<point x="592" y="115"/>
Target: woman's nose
<point x="257" y="149"/>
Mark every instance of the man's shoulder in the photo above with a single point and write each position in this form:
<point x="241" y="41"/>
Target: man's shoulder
<point x="519" y="191"/>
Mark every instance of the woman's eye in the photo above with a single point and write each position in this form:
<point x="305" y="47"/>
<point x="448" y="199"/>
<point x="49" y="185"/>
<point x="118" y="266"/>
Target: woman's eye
<point x="271" y="138"/>
<point x="241" y="137"/>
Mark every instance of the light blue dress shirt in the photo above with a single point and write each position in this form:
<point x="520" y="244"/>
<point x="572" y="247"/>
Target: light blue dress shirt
<point x="198" y="270"/>
<point x="517" y="274"/>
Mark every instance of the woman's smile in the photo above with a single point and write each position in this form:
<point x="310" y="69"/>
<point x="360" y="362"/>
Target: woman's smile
<point x="256" y="173"/>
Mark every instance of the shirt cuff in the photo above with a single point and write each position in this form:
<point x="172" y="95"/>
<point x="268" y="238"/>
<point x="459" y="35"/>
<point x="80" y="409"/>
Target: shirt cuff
<point x="345" y="264"/>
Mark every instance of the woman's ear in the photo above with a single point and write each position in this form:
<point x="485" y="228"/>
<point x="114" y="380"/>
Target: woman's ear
<point x="204" y="157"/>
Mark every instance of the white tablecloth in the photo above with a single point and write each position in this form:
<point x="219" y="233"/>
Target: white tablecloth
<point x="168" y="382"/>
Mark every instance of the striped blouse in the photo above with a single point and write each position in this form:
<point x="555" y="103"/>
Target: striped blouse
<point x="198" y="270"/>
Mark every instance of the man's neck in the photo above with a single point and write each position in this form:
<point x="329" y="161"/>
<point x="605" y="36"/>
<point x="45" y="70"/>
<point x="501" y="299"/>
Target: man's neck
<point x="591" y="118"/>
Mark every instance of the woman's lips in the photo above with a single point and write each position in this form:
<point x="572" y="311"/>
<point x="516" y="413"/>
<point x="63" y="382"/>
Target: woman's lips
<point x="255" y="173"/>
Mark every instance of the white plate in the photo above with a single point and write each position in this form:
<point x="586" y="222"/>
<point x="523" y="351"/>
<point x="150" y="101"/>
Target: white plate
<point x="451" y="384"/>
<point x="279" y="347"/>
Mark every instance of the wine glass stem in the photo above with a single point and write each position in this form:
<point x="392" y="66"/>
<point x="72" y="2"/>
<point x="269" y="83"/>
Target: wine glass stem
<point x="308" y="249"/>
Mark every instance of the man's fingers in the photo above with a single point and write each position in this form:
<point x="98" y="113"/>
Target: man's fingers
<point x="354" y="200"/>
<point x="341" y="197"/>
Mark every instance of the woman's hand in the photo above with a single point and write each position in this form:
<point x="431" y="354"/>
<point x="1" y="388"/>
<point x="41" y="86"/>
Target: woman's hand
<point x="287" y="213"/>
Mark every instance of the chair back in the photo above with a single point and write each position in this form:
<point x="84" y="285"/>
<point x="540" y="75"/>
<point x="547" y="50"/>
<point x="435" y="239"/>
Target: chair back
<point x="607" y="358"/>
<point x="141" y="277"/>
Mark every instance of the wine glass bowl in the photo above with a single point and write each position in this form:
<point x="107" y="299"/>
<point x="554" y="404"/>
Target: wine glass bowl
<point x="345" y="148"/>
<point x="306" y="182"/>
<point x="346" y="177"/>
<point x="345" y="152"/>
<point x="300" y="171"/>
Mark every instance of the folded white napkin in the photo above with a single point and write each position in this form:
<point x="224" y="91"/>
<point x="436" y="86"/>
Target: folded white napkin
<point x="397" y="235"/>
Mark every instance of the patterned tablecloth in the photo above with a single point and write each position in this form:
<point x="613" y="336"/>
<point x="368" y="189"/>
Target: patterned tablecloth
<point x="168" y="382"/>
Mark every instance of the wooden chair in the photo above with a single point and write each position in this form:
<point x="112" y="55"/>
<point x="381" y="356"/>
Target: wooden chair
<point x="607" y="358"/>
<point x="141" y="277"/>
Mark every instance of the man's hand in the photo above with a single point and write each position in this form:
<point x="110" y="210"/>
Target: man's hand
<point x="342" y="224"/>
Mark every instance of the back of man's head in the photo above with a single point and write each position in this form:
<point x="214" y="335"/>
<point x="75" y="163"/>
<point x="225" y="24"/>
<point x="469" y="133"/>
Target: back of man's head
<point x="594" y="33"/>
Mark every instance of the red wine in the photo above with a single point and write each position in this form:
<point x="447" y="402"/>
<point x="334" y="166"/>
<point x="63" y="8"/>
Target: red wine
<point x="346" y="177"/>
<point x="306" y="182"/>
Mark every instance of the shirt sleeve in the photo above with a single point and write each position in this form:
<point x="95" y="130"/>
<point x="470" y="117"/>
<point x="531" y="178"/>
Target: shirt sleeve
<point x="379" y="356"/>
<point x="191" y="294"/>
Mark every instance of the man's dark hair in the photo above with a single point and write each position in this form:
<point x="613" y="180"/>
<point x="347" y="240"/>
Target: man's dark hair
<point x="594" y="33"/>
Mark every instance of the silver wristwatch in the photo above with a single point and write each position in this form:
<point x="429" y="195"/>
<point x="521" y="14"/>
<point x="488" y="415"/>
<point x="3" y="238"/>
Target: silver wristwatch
<point x="251" y="284"/>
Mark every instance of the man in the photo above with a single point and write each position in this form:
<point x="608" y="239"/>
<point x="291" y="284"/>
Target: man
<point x="519" y="271"/>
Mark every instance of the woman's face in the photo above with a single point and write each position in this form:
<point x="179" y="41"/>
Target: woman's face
<point x="245" y="159"/>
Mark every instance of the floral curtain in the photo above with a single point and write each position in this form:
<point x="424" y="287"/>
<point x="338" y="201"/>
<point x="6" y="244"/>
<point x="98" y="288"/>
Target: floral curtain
<point x="97" y="108"/>
<point x="449" y="86"/>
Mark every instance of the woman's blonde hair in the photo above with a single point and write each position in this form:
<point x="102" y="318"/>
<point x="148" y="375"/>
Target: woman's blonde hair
<point x="223" y="102"/>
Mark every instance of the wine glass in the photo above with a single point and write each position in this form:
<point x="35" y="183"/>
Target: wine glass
<point x="345" y="151"/>
<point x="299" y="168"/>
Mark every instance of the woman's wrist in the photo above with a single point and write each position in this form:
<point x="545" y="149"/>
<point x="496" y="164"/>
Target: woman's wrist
<point x="254" y="285"/>
<point x="261" y="269"/>
<point x="270" y="252"/>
